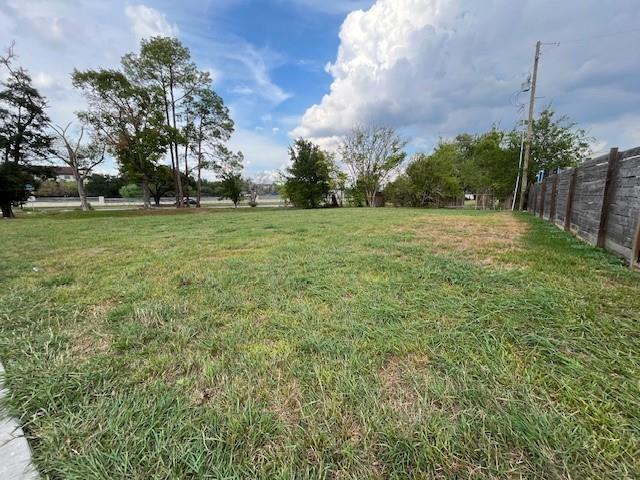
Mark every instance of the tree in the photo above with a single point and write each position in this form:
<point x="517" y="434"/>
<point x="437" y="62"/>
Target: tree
<point x="131" y="190"/>
<point x="488" y="162"/>
<point x="434" y="177"/>
<point x="210" y="188"/>
<point x="82" y="158"/>
<point x="308" y="181"/>
<point x="23" y="136"/>
<point x="429" y="179"/>
<point x="161" y="183"/>
<point x="401" y="192"/>
<point x="229" y="170"/>
<point x="253" y="194"/>
<point x="165" y="65"/>
<point x="53" y="188"/>
<point x="104" y="185"/>
<point x="208" y="128"/>
<point x="372" y="153"/>
<point x="338" y="183"/>
<point x="232" y="187"/>
<point x="557" y="143"/>
<point x="128" y="119"/>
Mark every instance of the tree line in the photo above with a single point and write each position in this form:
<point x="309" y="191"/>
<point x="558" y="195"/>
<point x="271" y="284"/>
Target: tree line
<point x="374" y="159"/>
<point x="156" y="104"/>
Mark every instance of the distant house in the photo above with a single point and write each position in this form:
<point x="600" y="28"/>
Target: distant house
<point x="64" y="174"/>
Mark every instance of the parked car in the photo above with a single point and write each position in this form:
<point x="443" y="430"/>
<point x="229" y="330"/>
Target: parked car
<point x="190" y="201"/>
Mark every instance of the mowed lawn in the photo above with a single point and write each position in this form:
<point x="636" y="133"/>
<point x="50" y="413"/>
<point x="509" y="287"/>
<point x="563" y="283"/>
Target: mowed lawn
<point x="344" y="344"/>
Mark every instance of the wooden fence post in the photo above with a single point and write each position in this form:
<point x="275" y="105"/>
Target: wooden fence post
<point x="570" y="194"/>
<point x="607" y="196"/>
<point x="635" y="249"/>
<point x="554" y="199"/>
<point x="543" y="193"/>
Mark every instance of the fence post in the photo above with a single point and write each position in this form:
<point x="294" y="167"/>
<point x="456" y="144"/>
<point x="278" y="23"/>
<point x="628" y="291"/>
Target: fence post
<point x="543" y="193"/>
<point x="635" y="249"/>
<point x="570" y="194"/>
<point x="532" y="199"/>
<point x="606" y="196"/>
<point x="554" y="198"/>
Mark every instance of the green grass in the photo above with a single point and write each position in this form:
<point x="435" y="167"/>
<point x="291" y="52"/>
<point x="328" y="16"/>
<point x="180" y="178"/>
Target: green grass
<point x="354" y="343"/>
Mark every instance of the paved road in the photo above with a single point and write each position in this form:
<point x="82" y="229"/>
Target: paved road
<point x="15" y="454"/>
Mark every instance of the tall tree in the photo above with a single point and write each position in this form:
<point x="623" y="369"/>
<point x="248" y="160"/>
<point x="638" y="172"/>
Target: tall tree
<point x="81" y="157"/>
<point x="309" y="176"/>
<point x="23" y="135"/>
<point x="372" y="153"/>
<point x="165" y="65"/>
<point x="128" y="119"/>
<point x="207" y="131"/>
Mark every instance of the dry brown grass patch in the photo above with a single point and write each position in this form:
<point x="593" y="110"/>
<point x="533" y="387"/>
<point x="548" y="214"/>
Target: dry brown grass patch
<point x="397" y="389"/>
<point x="286" y="403"/>
<point x="100" y="309"/>
<point x="88" y="343"/>
<point x="481" y="239"/>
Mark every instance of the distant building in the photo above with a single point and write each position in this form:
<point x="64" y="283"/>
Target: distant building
<point x="64" y="174"/>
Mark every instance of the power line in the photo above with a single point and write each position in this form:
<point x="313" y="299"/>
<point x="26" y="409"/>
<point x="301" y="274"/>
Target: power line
<point x="605" y="35"/>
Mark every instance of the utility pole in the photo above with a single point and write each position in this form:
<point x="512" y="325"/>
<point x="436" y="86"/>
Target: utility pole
<point x="527" y="151"/>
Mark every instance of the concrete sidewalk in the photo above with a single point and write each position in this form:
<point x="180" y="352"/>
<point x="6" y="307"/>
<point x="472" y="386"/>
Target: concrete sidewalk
<point x="15" y="454"/>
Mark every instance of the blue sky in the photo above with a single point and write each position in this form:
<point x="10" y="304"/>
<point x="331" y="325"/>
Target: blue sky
<point x="289" y="68"/>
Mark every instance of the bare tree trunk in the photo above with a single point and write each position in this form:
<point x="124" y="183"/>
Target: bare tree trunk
<point x="81" y="192"/>
<point x="146" y="193"/>
<point x="175" y="174"/>
<point x="371" y="196"/>
<point x="186" y="171"/>
<point x="199" y="159"/>
<point x="199" y="186"/>
<point x="7" y="211"/>
<point x="174" y="160"/>
<point x="180" y="191"/>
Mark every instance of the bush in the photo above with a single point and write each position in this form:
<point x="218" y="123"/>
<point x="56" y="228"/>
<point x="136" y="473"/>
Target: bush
<point x="400" y="192"/>
<point x="131" y="191"/>
<point x="54" y="188"/>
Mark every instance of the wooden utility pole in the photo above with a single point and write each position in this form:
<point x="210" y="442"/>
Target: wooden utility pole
<point x="527" y="152"/>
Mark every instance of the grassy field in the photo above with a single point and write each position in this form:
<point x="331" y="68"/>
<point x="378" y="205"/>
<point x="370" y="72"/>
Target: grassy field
<point x="354" y="343"/>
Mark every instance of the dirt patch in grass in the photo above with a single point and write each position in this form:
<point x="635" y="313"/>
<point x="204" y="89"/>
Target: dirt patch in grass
<point x="88" y="343"/>
<point x="483" y="240"/>
<point x="398" y="391"/>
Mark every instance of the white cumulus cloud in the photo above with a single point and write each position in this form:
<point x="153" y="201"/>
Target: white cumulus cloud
<point x="148" y="22"/>
<point x="438" y="67"/>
